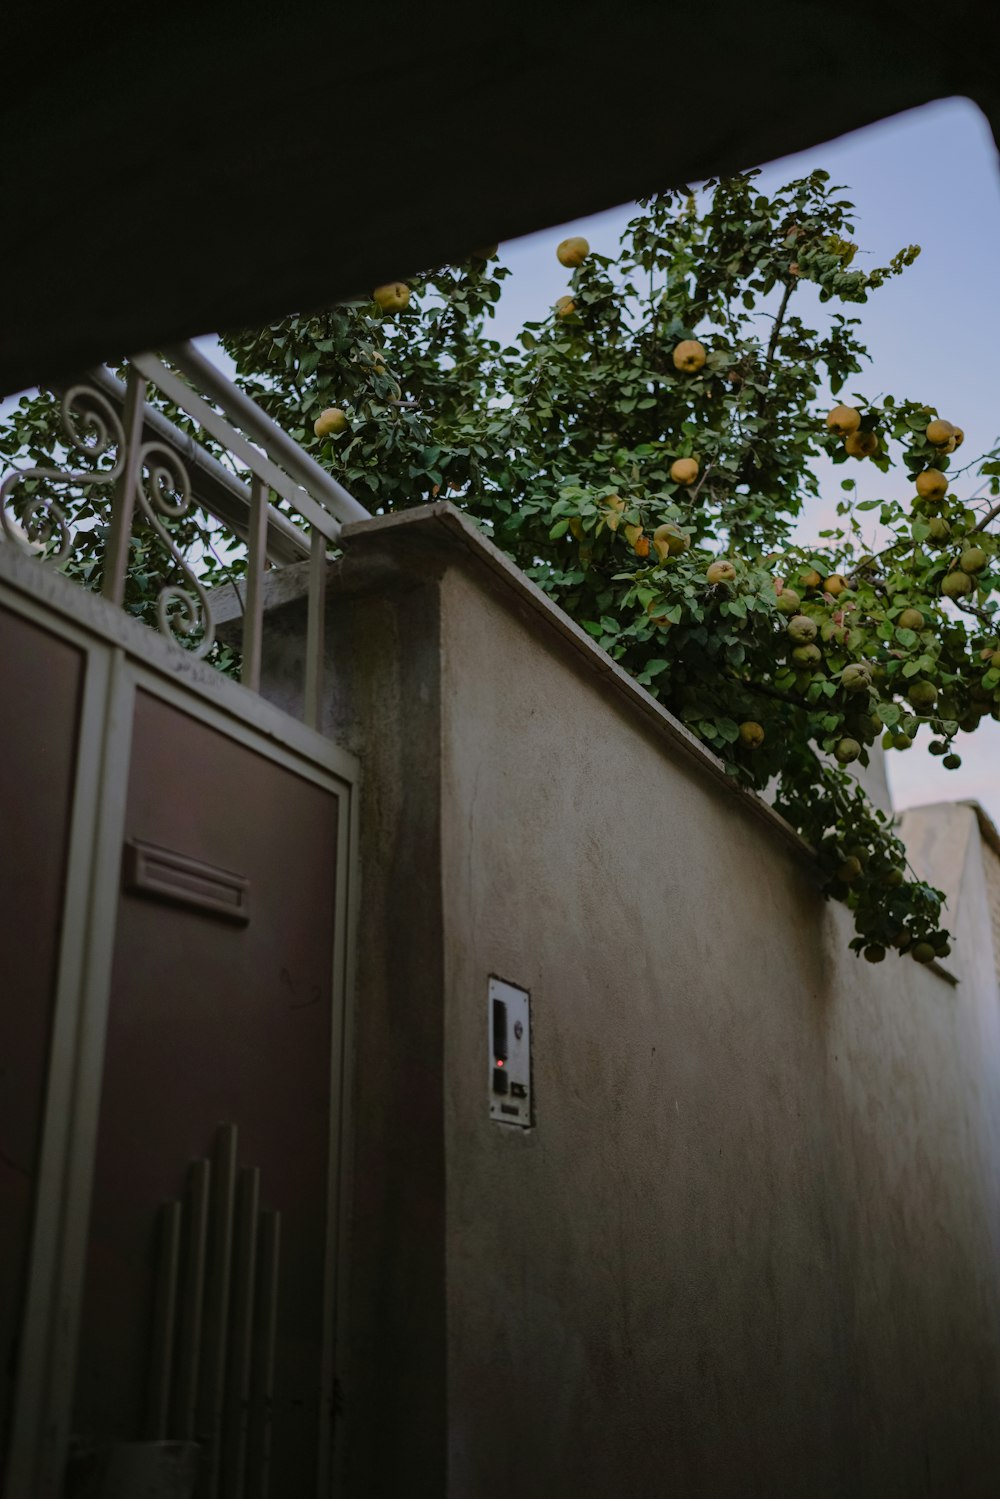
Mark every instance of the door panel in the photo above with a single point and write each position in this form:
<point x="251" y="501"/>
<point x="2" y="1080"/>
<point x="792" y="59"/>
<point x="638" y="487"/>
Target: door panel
<point x="214" y="1021"/>
<point x="41" y="679"/>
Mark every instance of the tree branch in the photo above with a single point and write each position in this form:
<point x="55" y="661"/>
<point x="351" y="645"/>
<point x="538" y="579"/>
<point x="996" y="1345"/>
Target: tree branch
<point x="772" y="345"/>
<point x="988" y="619"/>
<point x="990" y="515"/>
<point x="694" y="493"/>
<point x="759" y="687"/>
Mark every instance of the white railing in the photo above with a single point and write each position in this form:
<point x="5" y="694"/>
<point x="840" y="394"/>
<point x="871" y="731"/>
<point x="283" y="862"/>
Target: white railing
<point x="126" y="450"/>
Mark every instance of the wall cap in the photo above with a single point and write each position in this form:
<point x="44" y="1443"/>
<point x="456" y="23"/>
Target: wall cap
<point x="442" y="525"/>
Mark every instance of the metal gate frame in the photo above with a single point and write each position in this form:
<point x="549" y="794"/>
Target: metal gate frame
<point x="122" y="655"/>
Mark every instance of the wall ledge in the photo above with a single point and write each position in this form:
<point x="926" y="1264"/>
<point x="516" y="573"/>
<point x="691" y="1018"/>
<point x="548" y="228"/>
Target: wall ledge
<point x="442" y="529"/>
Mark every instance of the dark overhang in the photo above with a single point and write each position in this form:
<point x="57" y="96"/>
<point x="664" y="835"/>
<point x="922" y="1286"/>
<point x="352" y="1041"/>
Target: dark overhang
<point x="174" y="169"/>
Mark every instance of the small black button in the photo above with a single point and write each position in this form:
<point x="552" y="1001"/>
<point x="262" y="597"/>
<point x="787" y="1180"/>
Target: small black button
<point x="499" y="1080"/>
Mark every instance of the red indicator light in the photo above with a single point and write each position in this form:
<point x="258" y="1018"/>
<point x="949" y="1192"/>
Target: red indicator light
<point x="499" y="1061"/>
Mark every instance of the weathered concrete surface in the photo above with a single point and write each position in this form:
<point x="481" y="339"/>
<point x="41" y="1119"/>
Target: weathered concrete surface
<point x="750" y="1246"/>
<point x="392" y="1356"/>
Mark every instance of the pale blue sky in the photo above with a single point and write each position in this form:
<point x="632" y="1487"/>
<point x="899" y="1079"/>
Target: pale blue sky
<point x="928" y="177"/>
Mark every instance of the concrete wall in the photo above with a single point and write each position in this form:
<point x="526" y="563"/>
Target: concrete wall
<point x="750" y="1246"/>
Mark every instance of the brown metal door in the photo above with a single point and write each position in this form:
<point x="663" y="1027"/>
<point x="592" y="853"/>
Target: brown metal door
<point x="40" y="691"/>
<point x="218" y="1050"/>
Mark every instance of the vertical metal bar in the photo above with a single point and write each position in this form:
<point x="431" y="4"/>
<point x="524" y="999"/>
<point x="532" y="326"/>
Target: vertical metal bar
<point x="315" y="628"/>
<point x="241" y="1334"/>
<point x="253" y="618"/>
<point x="265" y="1329"/>
<point x="193" y="1292"/>
<point x="123" y="499"/>
<point x="164" y="1318"/>
<point x="47" y="1366"/>
<point x="216" y="1317"/>
<point x="332" y="1463"/>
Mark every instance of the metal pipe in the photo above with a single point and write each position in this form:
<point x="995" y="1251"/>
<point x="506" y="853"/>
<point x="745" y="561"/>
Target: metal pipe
<point x="265" y="1337"/>
<point x="315" y="631"/>
<point x="164" y="1315"/>
<point x="257" y="424"/>
<point x="189" y="1352"/>
<point x="253" y="617"/>
<point x="217" y="1292"/>
<point x="176" y="389"/>
<point x="234" y="1455"/>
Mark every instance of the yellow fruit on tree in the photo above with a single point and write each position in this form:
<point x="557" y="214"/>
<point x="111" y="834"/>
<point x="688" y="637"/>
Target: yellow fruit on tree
<point x="939" y="432"/>
<point x="684" y="470"/>
<point x="843" y="420"/>
<point x="573" y="251"/>
<point x="802" y="629"/>
<point x="669" y="541"/>
<point x="911" y="619"/>
<point x="720" y="572"/>
<point x="565" y="307"/>
<point x="959" y="436"/>
<point x="847" y="750"/>
<point x="932" y="484"/>
<point x="330" y="421"/>
<point x="394" y="296"/>
<point x="810" y="578"/>
<point x="632" y="534"/>
<point x="973" y="560"/>
<point x="923" y="695"/>
<point x="956" y="585"/>
<point x="834" y="584"/>
<point x="856" y="677"/>
<point x="751" y="735"/>
<point x="641" y="547"/>
<point x="485" y="252"/>
<point x="861" y="444"/>
<point x="690" y="356"/>
<point x="614" y="504"/>
<point x="807" y="655"/>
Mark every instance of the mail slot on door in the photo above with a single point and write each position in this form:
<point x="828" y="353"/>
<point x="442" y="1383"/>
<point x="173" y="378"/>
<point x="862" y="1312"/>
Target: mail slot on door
<point x="509" y="1020"/>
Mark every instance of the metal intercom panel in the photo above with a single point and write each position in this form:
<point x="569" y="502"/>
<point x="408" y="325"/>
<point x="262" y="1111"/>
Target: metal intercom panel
<point x="510" y="1054"/>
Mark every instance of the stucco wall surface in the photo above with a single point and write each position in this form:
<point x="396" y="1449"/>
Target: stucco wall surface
<point x="750" y="1246"/>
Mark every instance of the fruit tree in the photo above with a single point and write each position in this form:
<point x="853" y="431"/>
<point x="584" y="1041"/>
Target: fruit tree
<point x="643" y="454"/>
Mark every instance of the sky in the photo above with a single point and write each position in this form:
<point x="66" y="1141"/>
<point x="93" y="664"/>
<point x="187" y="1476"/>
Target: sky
<point x="928" y="177"/>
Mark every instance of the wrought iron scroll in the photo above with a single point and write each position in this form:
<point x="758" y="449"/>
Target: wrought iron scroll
<point x="92" y="427"/>
<point x="164" y="489"/>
